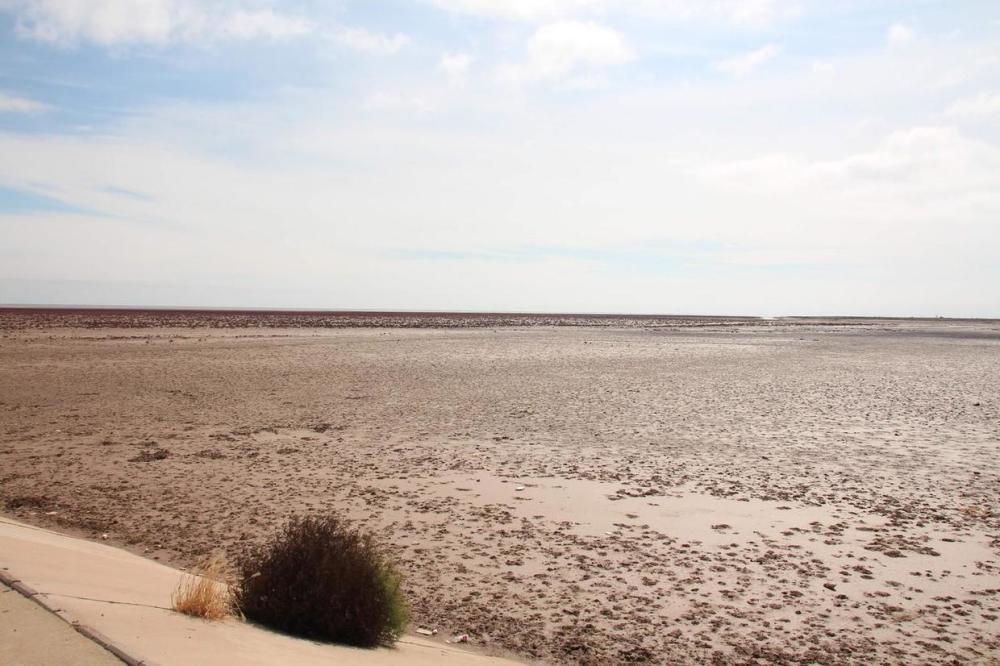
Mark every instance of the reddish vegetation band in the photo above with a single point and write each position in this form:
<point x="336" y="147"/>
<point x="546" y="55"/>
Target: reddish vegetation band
<point x="18" y="318"/>
<point x="12" y="318"/>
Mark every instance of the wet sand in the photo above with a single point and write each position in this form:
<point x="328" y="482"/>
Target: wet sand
<point x="603" y="490"/>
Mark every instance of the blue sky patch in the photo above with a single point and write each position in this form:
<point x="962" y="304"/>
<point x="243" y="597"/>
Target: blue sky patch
<point x="23" y="201"/>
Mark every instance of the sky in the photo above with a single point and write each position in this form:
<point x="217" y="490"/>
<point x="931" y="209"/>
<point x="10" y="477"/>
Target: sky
<point x="770" y="157"/>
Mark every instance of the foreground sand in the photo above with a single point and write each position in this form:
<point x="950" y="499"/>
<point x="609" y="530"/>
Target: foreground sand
<point x="785" y="491"/>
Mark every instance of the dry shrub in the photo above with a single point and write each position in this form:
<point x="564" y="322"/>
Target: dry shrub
<point x="321" y="579"/>
<point x="151" y="456"/>
<point x="205" y="591"/>
<point x="28" y="502"/>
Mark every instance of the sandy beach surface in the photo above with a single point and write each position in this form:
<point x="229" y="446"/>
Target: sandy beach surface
<point x="571" y="489"/>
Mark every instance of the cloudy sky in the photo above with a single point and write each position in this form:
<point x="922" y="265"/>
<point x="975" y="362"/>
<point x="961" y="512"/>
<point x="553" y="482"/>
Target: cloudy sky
<point x="670" y="156"/>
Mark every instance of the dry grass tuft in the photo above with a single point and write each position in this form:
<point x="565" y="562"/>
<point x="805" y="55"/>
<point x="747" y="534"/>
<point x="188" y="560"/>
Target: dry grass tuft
<point x="205" y="591"/>
<point x="975" y="511"/>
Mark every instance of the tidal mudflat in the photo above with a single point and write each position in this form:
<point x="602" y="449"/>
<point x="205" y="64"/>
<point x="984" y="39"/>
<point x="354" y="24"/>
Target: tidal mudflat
<point x="604" y="490"/>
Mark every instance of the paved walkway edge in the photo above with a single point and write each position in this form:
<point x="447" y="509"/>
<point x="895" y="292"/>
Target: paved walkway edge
<point x="94" y="635"/>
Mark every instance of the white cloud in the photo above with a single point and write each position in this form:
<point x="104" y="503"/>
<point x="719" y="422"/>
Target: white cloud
<point x="384" y="101"/>
<point x="733" y="11"/>
<point x="983" y="105"/>
<point x="562" y="48"/>
<point x="116" y="22"/>
<point x="456" y="65"/>
<point x="822" y="67"/>
<point x="929" y="158"/>
<point x="265" y="23"/>
<point x="366" y="41"/>
<point x="742" y="65"/>
<point x="912" y="174"/>
<point x="755" y="11"/>
<point x="14" y="104"/>
<point x="519" y="9"/>
<point x="899" y="35"/>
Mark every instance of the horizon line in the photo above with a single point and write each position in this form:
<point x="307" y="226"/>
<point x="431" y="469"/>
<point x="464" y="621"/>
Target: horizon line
<point x="396" y="311"/>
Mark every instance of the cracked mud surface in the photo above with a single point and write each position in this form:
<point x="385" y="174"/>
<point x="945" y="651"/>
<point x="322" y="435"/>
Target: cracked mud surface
<point x="772" y="492"/>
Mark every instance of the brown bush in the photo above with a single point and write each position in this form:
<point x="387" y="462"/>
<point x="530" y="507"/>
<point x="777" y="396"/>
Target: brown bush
<point x="321" y="579"/>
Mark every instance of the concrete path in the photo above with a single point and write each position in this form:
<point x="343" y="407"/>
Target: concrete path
<point x="33" y="636"/>
<point x="124" y="600"/>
